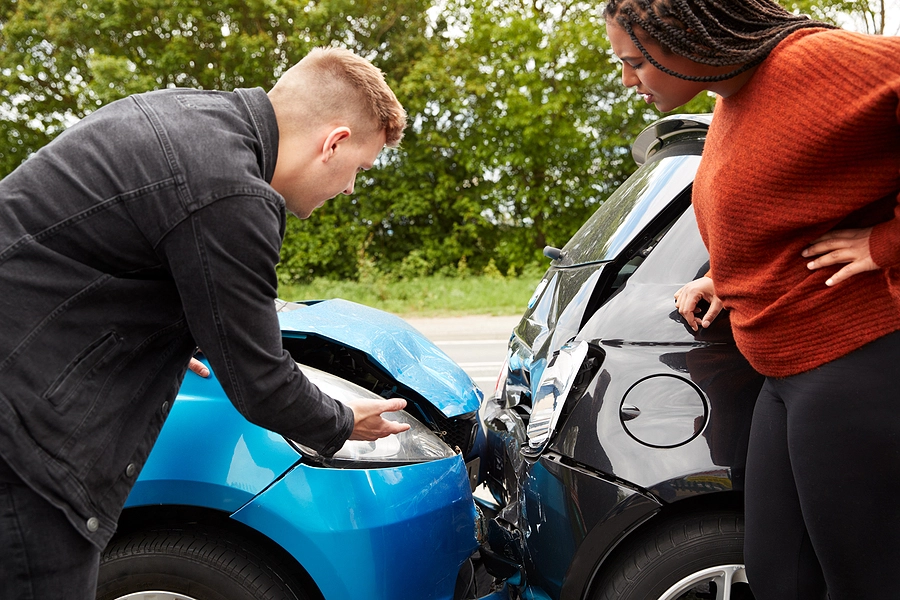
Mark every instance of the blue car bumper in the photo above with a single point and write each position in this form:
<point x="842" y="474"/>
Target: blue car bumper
<point x="359" y="531"/>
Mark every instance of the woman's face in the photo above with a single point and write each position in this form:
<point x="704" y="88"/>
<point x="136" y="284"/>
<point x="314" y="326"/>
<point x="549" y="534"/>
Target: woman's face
<point x="659" y="88"/>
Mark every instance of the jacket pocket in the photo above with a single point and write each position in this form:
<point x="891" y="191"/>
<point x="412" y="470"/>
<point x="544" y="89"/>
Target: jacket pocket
<point x="91" y="358"/>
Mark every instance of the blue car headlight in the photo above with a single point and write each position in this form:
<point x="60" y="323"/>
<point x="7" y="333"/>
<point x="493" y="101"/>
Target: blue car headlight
<point x="417" y="444"/>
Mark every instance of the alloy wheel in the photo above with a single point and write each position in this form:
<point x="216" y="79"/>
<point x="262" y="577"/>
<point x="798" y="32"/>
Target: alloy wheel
<point x="720" y="580"/>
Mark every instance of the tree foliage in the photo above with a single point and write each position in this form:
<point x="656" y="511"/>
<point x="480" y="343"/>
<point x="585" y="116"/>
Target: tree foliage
<point x="519" y="126"/>
<point x="518" y="130"/>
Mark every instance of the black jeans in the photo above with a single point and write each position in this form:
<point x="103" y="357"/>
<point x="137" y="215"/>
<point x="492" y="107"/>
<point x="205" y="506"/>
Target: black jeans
<point x="42" y="556"/>
<point x="823" y="480"/>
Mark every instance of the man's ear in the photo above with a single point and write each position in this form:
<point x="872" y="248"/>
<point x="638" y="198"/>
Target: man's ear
<point x="334" y="137"/>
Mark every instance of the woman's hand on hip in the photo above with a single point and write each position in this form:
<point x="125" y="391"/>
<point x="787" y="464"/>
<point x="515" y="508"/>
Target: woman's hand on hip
<point x="850" y="246"/>
<point x="690" y="295"/>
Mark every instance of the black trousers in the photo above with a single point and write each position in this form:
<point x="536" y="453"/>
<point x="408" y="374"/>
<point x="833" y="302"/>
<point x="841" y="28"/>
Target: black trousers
<point x="823" y="480"/>
<point x="42" y="556"/>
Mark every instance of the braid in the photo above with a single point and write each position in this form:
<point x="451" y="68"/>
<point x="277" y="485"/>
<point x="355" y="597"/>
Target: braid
<point x="712" y="32"/>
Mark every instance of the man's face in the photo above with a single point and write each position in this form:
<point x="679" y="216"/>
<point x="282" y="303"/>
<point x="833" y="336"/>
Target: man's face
<point x="658" y="88"/>
<point x="332" y="172"/>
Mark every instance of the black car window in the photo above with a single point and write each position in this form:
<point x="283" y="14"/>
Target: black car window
<point x="679" y="257"/>
<point x="628" y="211"/>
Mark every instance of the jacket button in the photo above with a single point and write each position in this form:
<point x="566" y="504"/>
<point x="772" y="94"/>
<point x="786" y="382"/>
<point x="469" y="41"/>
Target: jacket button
<point x="130" y="470"/>
<point x="165" y="408"/>
<point x="93" y="524"/>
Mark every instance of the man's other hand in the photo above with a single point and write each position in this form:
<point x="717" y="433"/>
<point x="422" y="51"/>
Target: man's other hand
<point x="368" y="424"/>
<point x="198" y="367"/>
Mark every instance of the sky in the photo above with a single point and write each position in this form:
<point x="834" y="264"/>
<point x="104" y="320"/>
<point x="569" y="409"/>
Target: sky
<point x="892" y="26"/>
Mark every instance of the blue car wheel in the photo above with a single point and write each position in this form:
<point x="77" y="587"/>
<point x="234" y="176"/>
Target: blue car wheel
<point x="180" y="564"/>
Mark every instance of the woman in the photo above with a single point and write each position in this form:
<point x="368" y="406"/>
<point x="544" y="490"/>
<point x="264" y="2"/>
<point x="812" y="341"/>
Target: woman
<point x="796" y="199"/>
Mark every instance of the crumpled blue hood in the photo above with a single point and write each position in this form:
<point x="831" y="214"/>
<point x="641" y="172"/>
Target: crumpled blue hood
<point x="403" y="352"/>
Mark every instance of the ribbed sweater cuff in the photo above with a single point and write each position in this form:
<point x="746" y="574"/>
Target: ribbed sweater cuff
<point x="884" y="243"/>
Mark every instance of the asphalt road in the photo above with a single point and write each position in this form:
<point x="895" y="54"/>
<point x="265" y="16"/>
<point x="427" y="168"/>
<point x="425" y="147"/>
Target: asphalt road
<point x="476" y="343"/>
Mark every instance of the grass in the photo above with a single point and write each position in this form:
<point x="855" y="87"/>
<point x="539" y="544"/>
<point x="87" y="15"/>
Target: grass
<point x="432" y="296"/>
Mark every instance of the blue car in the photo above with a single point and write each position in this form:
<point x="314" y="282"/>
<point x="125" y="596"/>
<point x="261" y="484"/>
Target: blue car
<point x="225" y="510"/>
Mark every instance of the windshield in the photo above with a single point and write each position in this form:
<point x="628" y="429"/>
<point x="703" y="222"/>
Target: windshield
<point x="630" y="208"/>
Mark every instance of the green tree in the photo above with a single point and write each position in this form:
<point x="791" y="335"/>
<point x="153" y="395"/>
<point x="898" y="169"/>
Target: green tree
<point x="519" y="125"/>
<point x="62" y="59"/>
<point x="541" y="116"/>
<point x="518" y="131"/>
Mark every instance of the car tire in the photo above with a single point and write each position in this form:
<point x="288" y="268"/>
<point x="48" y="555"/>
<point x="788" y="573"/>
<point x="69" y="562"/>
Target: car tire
<point x="690" y="557"/>
<point x="177" y="564"/>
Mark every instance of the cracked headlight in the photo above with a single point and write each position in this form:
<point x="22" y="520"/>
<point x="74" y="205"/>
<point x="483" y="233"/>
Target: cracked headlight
<point x="417" y="444"/>
<point x="551" y="393"/>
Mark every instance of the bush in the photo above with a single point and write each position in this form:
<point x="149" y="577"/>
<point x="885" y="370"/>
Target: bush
<point x="414" y="265"/>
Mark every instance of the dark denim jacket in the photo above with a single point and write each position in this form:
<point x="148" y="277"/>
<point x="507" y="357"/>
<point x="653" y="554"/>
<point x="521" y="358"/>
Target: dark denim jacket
<point x="146" y="229"/>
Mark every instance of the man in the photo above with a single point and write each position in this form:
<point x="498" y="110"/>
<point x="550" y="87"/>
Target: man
<point x="151" y="227"/>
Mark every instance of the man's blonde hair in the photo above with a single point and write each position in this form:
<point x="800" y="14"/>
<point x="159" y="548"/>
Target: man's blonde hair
<point x="334" y="85"/>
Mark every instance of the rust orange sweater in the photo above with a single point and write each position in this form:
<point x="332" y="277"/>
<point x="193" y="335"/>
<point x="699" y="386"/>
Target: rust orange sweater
<point x="811" y="143"/>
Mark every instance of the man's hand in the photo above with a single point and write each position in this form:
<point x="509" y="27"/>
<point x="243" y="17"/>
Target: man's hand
<point x="849" y="246"/>
<point x="368" y="424"/>
<point x="687" y="298"/>
<point x="198" y="367"/>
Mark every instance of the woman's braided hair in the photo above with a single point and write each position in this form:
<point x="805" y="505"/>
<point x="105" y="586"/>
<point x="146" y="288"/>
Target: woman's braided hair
<point x="712" y="32"/>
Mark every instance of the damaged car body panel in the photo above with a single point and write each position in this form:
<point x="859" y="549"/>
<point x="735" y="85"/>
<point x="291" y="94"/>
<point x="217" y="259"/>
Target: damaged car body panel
<point x="653" y="424"/>
<point x="332" y="528"/>
<point x="384" y="354"/>
<point x="390" y="342"/>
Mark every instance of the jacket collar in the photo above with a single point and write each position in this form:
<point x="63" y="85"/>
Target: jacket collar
<point x="266" y="126"/>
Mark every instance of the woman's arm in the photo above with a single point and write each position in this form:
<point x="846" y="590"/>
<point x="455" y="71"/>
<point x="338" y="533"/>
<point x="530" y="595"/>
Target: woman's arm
<point x="690" y="295"/>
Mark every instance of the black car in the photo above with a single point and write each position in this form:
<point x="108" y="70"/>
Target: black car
<point x="617" y="435"/>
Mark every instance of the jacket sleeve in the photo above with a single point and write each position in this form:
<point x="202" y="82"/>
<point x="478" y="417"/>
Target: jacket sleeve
<point x="222" y="258"/>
